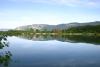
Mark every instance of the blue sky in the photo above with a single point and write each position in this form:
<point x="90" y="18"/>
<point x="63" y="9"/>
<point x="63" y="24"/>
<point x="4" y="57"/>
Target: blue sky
<point x="15" y="13"/>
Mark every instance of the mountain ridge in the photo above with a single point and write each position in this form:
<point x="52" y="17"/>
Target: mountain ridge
<point x="59" y="26"/>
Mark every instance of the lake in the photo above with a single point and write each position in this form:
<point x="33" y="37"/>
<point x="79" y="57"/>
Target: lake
<point x="51" y="51"/>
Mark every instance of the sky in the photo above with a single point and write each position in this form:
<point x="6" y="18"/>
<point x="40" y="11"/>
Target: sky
<point x="14" y="13"/>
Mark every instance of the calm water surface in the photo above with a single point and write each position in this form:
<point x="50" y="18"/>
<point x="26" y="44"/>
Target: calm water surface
<point x="44" y="52"/>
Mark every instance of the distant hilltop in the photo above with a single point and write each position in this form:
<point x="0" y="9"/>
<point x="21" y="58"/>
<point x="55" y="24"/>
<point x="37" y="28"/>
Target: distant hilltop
<point x="59" y="26"/>
<point x="4" y="29"/>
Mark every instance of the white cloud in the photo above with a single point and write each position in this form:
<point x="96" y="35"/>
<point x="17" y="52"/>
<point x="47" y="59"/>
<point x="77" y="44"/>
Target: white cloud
<point x="71" y="3"/>
<point x="91" y="4"/>
<point x="94" y="3"/>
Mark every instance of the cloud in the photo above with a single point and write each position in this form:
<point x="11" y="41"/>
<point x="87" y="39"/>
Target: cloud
<point x="46" y="1"/>
<point x="90" y="3"/>
<point x="50" y="1"/>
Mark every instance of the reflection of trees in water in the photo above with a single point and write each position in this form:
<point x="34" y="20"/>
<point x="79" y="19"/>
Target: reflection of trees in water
<point x="85" y="39"/>
<point x="70" y="38"/>
<point x="5" y="56"/>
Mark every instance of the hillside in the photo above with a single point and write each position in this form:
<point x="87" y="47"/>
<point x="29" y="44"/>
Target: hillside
<point x="59" y="27"/>
<point x="84" y="29"/>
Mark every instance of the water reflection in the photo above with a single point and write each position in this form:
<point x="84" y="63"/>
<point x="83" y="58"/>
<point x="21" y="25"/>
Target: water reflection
<point x="53" y="53"/>
<point x="73" y="39"/>
<point x="42" y="53"/>
<point x="5" y="58"/>
<point x="5" y="55"/>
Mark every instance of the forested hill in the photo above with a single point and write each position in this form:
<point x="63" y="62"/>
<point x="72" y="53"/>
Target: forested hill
<point x="59" y="26"/>
<point x="84" y="29"/>
<point x="92" y="28"/>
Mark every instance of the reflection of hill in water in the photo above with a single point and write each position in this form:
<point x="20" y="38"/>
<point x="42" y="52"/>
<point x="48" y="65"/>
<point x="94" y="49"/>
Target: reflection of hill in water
<point x="5" y="55"/>
<point x="75" y="39"/>
<point x="85" y="39"/>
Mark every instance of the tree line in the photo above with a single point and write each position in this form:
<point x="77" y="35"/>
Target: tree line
<point x="79" y="29"/>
